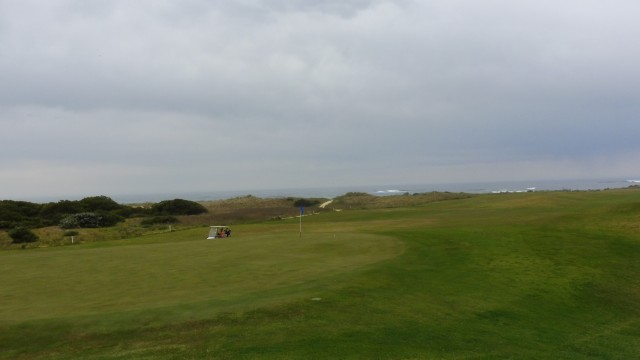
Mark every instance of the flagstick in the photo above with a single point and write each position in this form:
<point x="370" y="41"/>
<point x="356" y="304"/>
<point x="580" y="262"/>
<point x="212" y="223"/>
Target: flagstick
<point x="301" y="212"/>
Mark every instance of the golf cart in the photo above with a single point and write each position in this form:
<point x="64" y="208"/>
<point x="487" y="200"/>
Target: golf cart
<point x="219" y="231"/>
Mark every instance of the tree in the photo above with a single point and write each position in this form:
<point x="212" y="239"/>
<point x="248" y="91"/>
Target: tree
<point x="22" y="235"/>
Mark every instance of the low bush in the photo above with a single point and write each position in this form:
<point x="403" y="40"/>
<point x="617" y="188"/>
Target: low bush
<point x="89" y="220"/>
<point x="306" y="202"/>
<point x="178" y="207"/>
<point x="22" y="235"/>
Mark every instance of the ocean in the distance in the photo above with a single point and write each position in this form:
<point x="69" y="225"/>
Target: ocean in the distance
<point x="382" y="190"/>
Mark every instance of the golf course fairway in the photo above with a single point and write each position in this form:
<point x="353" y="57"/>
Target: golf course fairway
<point x="543" y="275"/>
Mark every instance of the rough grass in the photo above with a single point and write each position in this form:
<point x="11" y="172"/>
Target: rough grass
<point x="368" y="201"/>
<point x="511" y="276"/>
<point x="244" y="209"/>
<point x="54" y="236"/>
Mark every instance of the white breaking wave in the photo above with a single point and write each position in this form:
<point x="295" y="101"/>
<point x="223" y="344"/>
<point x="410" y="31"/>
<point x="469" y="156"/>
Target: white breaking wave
<point x="393" y="191"/>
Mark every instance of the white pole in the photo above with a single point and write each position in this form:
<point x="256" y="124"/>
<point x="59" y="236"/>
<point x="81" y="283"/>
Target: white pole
<point x="301" y="212"/>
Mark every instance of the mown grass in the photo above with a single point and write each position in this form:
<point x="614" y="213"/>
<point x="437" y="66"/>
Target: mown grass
<point x="523" y="276"/>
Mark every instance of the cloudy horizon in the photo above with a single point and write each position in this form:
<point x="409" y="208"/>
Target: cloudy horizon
<point x="123" y="97"/>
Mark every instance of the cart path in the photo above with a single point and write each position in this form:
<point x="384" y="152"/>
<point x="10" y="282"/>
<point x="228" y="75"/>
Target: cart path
<point x="322" y="206"/>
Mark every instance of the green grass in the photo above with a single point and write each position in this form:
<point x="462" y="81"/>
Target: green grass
<point x="523" y="276"/>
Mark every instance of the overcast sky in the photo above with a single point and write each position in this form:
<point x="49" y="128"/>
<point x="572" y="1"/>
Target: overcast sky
<point x="146" y="96"/>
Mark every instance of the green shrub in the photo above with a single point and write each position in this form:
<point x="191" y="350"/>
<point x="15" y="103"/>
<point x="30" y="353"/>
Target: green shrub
<point x="89" y="220"/>
<point x="58" y="210"/>
<point x="18" y="214"/>
<point x="22" y="235"/>
<point x="178" y="207"/>
<point x="306" y="202"/>
<point x="100" y="203"/>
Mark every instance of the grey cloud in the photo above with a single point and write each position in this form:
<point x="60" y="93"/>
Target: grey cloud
<point x="284" y="85"/>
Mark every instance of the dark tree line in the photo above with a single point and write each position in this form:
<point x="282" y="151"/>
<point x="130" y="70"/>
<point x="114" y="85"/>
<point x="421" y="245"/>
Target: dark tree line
<point x="96" y="211"/>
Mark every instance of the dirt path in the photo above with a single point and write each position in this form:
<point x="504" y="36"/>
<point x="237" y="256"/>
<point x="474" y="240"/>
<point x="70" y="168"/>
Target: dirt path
<point x="324" y="204"/>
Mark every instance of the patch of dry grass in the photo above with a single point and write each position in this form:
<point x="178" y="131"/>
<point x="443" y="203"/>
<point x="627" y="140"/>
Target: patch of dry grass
<point x="367" y="201"/>
<point x="243" y="209"/>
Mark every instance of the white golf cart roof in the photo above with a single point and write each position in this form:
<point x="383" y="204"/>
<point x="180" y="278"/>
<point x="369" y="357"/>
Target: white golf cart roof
<point x="215" y="230"/>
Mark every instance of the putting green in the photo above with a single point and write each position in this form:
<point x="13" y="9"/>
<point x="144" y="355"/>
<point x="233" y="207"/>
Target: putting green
<point x="75" y="281"/>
